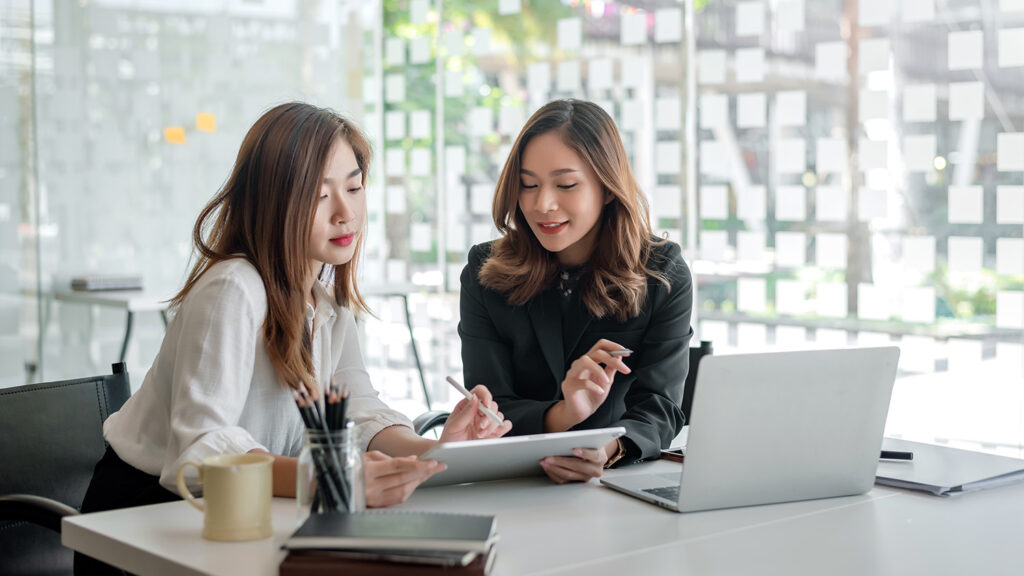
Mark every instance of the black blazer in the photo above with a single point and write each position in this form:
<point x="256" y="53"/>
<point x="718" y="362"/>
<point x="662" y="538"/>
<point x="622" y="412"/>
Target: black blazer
<point x="521" y="355"/>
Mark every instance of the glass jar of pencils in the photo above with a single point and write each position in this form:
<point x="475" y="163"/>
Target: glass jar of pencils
<point x="330" y="473"/>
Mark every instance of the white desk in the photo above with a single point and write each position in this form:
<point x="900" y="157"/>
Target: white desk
<point x="131" y="301"/>
<point x="584" y="529"/>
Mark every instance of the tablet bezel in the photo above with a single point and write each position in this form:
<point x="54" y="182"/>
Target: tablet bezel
<point x="511" y="456"/>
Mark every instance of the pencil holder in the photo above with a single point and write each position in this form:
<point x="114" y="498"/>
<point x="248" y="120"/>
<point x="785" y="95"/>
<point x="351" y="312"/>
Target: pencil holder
<point x="330" y="473"/>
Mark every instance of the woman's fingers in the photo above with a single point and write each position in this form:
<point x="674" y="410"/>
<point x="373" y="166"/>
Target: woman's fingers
<point x="391" y="480"/>
<point x="562" y="469"/>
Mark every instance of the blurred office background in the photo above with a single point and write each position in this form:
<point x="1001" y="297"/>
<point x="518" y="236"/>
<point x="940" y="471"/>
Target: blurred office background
<point x="838" y="172"/>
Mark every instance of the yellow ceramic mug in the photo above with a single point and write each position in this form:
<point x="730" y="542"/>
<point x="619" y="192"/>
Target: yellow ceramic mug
<point x="237" y="491"/>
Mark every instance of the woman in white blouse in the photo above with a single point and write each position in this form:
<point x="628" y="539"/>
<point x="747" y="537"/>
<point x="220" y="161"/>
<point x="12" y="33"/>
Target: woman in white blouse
<point x="254" y="323"/>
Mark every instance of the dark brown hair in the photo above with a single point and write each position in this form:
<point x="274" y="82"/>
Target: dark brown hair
<point x="264" y="212"/>
<point x="616" y="280"/>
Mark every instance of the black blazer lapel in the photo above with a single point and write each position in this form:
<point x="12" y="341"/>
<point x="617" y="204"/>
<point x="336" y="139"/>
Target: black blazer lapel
<point x="546" y="317"/>
<point x="579" y="317"/>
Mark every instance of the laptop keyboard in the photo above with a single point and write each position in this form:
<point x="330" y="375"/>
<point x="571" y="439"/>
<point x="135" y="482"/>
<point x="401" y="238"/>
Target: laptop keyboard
<point x="666" y="492"/>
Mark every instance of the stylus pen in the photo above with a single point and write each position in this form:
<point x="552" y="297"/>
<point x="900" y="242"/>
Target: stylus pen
<point x="896" y="455"/>
<point x="622" y="352"/>
<point x="469" y="396"/>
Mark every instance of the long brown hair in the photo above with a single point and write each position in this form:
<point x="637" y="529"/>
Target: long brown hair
<point x="264" y="212"/>
<point x="616" y="280"/>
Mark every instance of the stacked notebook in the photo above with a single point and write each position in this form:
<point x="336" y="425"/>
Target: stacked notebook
<point x="106" y="282"/>
<point x="392" y="542"/>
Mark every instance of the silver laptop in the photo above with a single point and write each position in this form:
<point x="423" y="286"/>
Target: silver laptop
<point x="778" y="427"/>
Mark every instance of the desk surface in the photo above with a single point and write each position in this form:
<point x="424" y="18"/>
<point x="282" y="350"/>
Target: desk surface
<point x="131" y="300"/>
<point x="584" y="529"/>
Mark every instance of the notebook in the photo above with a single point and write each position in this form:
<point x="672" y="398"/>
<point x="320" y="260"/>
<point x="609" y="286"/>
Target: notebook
<point x="390" y="530"/>
<point x="942" y="470"/>
<point x="778" y="427"/>
<point x="329" y="563"/>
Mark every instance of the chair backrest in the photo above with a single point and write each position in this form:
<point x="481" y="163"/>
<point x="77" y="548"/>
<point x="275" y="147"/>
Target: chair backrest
<point x="696" y="353"/>
<point x="51" y="437"/>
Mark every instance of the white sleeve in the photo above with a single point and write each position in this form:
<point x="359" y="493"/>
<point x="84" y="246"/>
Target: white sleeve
<point x="365" y="408"/>
<point x="213" y="368"/>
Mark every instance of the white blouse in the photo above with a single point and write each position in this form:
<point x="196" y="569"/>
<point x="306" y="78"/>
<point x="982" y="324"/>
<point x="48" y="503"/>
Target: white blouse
<point x="213" y="390"/>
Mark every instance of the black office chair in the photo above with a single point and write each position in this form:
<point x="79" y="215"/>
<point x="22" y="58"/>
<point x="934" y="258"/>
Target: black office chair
<point x="51" y="436"/>
<point x="696" y="353"/>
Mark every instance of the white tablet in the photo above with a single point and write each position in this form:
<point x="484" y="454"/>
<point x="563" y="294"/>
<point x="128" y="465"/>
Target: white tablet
<point x="509" y="457"/>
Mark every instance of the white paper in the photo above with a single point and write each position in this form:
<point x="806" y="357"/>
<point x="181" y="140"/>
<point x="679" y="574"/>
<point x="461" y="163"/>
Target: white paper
<point x="751" y="295"/>
<point x="791" y="108"/>
<point x="668" y="202"/>
<point x="919" y="253"/>
<point x="750" y="246"/>
<point x="750" y="65"/>
<point x="830" y="61"/>
<point x="669" y="157"/>
<point x="873" y="302"/>
<point x="919" y="305"/>
<point x="634" y="29"/>
<point x="790" y="298"/>
<point x="420" y="237"/>
<point x="872" y="12"/>
<point x="419" y="162"/>
<point x="917" y="354"/>
<point x="632" y="115"/>
<point x="919" y="103"/>
<point x="394" y="162"/>
<point x="454" y="43"/>
<point x="1010" y="151"/>
<point x="751" y="203"/>
<point x="510" y="6"/>
<point x="711" y="66"/>
<point x="830" y="251"/>
<point x="831" y="300"/>
<point x="964" y="356"/>
<point x="419" y="124"/>
<point x="830" y="204"/>
<point x="751" y="337"/>
<point x="481" y="197"/>
<point x="419" y="50"/>
<point x="790" y="156"/>
<point x="790" y="249"/>
<point x="751" y="110"/>
<point x="714" y="203"/>
<point x="831" y="156"/>
<point x="919" y="153"/>
<point x="1010" y="204"/>
<point x="964" y="254"/>
<point x="750" y="18"/>
<point x="569" y="76"/>
<point x="395" y="200"/>
<point x="481" y="121"/>
<point x="668" y="25"/>
<point x="790" y="203"/>
<point x="599" y="74"/>
<point x="1010" y="256"/>
<point x="668" y="112"/>
<point x="453" y="85"/>
<point x="790" y="337"/>
<point x="915" y="11"/>
<point x="966" y="50"/>
<point x="570" y="33"/>
<point x="632" y="71"/>
<point x="873" y="104"/>
<point x="966" y="100"/>
<point x="394" y="88"/>
<point x="394" y="125"/>
<point x="1009" y="309"/>
<point x="714" y="110"/>
<point x="1011" y="41"/>
<point x="394" y="51"/>
<point x="511" y="120"/>
<point x="538" y="80"/>
<point x="481" y="41"/>
<point x="713" y="244"/>
<point x="873" y="154"/>
<point x="966" y="205"/>
<point x="872" y="204"/>
<point x="874" y="55"/>
<point x="714" y="159"/>
<point x="789" y="15"/>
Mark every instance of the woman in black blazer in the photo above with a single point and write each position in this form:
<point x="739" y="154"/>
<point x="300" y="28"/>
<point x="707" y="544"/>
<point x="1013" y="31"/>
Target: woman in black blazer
<point x="576" y="275"/>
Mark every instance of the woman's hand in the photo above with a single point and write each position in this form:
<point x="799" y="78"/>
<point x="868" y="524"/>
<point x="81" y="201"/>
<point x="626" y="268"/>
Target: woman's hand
<point x="589" y="380"/>
<point x="390" y="480"/>
<point x="468" y="423"/>
<point x="586" y="463"/>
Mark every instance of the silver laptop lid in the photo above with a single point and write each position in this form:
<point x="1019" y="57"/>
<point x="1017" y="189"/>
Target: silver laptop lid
<point x="786" y="426"/>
